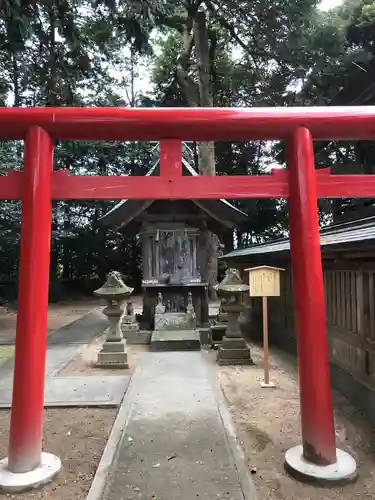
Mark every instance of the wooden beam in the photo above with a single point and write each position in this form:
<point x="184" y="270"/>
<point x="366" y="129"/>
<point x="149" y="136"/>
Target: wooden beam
<point x="170" y="159"/>
<point x="66" y="187"/>
<point x="201" y="124"/>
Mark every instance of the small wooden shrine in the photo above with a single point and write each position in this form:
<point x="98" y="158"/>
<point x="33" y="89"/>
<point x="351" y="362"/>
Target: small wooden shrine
<point x="173" y="244"/>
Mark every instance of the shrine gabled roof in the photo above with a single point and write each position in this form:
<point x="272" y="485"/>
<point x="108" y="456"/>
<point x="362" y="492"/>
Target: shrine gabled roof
<point x="337" y="234"/>
<point x="125" y="211"/>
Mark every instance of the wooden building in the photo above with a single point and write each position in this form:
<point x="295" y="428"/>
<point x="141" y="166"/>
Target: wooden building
<point x="173" y="240"/>
<point x="348" y="253"/>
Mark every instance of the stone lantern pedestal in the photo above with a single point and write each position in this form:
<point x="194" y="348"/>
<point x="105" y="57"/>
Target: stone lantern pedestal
<point x="233" y="350"/>
<point x="113" y="353"/>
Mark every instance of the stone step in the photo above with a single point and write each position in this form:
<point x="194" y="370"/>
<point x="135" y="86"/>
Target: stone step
<point x="175" y="340"/>
<point x="142" y="337"/>
<point x="236" y="356"/>
<point x="234" y="353"/>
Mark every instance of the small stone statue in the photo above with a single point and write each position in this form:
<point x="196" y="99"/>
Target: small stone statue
<point x="129" y="308"/>
<point x="222" y="316"/>
<point x="190" y="307"/>
<point x="190" y="313"/>
<point x="129" y="324"/>
<point x="129" y="316"/>
<point x="168" y="306"/>
<point x="160" y="307"/>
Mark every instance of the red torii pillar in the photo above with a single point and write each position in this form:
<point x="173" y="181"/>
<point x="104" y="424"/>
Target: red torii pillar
<point x="317" y="458"/>
<point x="26" y="465"/>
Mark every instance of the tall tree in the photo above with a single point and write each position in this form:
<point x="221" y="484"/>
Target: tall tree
<point x="236" y="54"/>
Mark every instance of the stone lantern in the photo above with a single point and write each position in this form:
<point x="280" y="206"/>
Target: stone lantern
<point x="115" y="292"/>
<point x="233" y="350"/>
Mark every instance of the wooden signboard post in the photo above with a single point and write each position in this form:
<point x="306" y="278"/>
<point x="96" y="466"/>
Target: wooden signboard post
<point x="264" y="281"/>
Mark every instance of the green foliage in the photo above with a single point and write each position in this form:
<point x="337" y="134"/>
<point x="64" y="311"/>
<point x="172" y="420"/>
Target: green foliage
<point x="63" y="53"/>
<point x="272" y="54"/>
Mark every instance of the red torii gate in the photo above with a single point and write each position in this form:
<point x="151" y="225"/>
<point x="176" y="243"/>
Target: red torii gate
<point x="37" y="185"/>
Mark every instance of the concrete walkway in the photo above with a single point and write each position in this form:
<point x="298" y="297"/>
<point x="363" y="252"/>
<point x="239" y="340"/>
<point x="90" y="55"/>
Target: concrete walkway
<point x="177" y="440"/>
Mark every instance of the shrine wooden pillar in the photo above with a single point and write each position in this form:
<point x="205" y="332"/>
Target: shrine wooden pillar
<point x="26" y="464"/>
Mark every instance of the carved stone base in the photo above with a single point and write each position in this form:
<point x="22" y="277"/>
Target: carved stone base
<point x="234" y="351"/>
<point x="233" y="343"/>
<point x="174" y="321"/>
<point x="113" y="355"/>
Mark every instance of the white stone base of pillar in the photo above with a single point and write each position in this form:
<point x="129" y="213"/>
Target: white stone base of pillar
<point x="12" y="482"/>
<point x="270" y="385"/>
<point x="343" y="471"/>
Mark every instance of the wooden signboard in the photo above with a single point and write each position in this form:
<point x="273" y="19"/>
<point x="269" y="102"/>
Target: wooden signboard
<point x="264" y="281"/>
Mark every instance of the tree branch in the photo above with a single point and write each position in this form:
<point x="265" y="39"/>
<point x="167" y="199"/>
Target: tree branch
<point x="232" y="31"/>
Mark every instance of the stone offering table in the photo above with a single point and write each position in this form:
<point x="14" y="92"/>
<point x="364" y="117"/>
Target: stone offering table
<point x="175" y="331"/>
<point x="176" y="294"/>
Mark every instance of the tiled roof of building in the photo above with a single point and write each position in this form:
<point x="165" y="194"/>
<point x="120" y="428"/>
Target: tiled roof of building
<point x="348" y="232"/>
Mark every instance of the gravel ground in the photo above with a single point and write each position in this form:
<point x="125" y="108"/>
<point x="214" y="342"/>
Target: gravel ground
<point x="78" y="437"/>
<point x="267" y="422"/>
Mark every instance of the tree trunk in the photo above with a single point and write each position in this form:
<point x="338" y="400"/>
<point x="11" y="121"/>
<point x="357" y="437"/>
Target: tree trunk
<point x="206" y="150"/>
<point x="194" y="33"/>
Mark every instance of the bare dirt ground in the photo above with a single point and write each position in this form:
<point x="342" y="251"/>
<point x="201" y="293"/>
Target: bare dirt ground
<point x="267" y="422"/>
<point x="78" y="437"/>
<point x="84" y="363"/>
